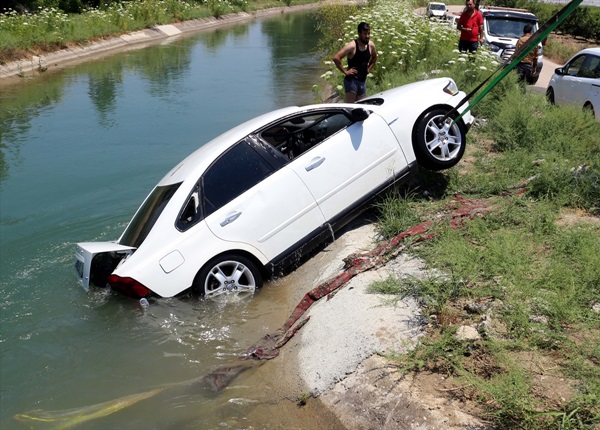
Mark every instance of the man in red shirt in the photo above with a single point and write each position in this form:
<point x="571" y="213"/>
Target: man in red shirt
<point x="470" y="25"/>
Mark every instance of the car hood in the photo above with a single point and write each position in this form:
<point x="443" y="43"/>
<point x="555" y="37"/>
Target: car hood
<point x="418" y="95"/>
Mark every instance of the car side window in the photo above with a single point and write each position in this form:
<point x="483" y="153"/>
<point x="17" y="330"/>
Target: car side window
<point x="590" y="67"/>
<point x="296" y="135"/>
<point x="573" y="68"/>
<point x="236" y="171"/>
<point x="191" y="213"/>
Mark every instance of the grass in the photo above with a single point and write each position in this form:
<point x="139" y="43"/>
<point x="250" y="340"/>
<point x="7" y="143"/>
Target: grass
<point x="531" y="266"/>
<point x="527" y="274"/>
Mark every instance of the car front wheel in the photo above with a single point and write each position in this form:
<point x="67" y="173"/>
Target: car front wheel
<point x="550" y="95"/>
<point x="228" y="275"/>
<point x="438" y="143"/>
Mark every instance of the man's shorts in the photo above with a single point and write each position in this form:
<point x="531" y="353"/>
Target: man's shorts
<point x="465" y="45"/>
<point x="355" y="86"/>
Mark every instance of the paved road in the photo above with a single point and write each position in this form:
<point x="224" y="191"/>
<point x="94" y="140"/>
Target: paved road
<point x="545" y="75"/>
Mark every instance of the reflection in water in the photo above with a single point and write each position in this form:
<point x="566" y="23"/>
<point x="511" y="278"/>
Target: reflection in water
<point x="103" y="92"/>
<point x="293" y="47"/>
<point x="81" y="148"/>
<point x="217" y="38"/>
<point x="165" y="68"/>
<point x="16" y="114"/>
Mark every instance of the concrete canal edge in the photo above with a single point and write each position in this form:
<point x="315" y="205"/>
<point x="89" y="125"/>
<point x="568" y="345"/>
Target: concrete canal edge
<point x="37" y="64"/>
<point x="339" y="354"/>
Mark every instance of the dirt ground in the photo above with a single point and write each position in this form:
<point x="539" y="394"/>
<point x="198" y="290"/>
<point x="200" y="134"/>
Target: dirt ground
<point x="375" y="395"/>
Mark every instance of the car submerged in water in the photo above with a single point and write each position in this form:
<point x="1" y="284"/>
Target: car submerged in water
<point x="257" y="198"/>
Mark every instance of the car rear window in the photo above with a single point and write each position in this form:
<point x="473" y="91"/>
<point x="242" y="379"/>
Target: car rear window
<point x="147" y="214"/>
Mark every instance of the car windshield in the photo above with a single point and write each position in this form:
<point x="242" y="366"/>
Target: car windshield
<point x="507" y="27"/>
<point x="146" y="216"/>
<point x="437" y="7"/>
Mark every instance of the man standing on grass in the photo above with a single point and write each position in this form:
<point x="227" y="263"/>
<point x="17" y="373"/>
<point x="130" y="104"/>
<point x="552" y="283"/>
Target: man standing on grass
<point x="470" y="25"/>
<point x="362" y="56"/>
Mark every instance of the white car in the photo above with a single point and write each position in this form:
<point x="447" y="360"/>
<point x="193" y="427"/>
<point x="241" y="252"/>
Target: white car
<point x="502" y="28"/>
<point x="257" y="198"/>
<point x="435" y="10"/>
<point x="578" y="82"/>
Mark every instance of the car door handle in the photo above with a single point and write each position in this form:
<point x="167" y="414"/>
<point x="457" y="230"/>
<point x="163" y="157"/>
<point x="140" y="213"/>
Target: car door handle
<point x="316" y="162"/>
<point x="230" y="218"/>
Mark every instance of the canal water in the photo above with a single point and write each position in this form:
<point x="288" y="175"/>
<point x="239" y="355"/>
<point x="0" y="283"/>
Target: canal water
<point x="81" y="148"/>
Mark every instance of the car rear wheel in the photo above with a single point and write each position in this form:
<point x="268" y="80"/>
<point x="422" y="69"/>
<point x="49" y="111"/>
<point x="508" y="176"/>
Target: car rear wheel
<point x="438" y="143"/>
<point x="550" y="95"/>
<point x="228" y="275"/>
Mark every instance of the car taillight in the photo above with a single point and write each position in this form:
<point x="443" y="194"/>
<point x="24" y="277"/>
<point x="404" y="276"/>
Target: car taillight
<point x="128" y="286"/>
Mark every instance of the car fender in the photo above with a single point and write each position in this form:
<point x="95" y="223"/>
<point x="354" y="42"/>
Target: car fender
<point x="404" y="125"/>
<point x="170" y="270"/>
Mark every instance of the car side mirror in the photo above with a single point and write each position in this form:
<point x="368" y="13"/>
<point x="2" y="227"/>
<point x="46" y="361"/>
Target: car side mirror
<point x="559" y="71"/>
<point x="359" y="114"/>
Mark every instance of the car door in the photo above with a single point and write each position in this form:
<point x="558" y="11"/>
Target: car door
<point x="587" y="77"/>
<point x="568" y="87"/>
<point x="246" y="198"/>
<point x="350" y="161"/>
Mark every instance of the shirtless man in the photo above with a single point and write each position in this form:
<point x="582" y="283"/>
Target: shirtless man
<point x="362" y="56"/>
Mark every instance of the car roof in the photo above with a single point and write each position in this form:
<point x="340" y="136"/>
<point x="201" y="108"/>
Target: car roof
<point x="509" y="14"/>
<point x="204" y="155"/>
<point x="197" y="162"/>
<point x="595" y="51"/>
<point x="194" y="164"/>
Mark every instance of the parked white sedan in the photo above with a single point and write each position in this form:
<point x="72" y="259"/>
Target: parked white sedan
<point x="260" y="196"/>
<point x="578" y="82"/>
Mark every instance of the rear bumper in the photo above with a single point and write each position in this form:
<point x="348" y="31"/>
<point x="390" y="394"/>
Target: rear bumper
<point x="94" y="261"/>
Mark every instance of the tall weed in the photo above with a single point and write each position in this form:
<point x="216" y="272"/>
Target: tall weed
<point x="409" y="47"/>
<point x="558" y="146"/>
<point x="396" y="214"/>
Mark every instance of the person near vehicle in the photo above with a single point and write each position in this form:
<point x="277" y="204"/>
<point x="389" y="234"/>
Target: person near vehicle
<point x="362" y="56"/>
<point x="470" y="25"/>
<point x="527" y="68"/>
